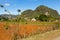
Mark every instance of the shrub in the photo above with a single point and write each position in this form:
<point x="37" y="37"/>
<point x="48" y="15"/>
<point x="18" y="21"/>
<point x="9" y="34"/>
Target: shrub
<point x="43" y="17"/>
<point x="56" y="25"/>
<point x="6" y="26"/>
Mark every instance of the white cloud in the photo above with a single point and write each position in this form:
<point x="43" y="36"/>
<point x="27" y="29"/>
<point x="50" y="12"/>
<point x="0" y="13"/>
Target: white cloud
<point x="7" y="4"/>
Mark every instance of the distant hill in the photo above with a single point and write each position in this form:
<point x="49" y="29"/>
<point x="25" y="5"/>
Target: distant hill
<point x="39" y="10"/>
<point x="5" y="17"/>
<point x="27" y="13"/>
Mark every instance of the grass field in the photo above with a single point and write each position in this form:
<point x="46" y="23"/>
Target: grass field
<point x="7" y="29"/>
<point x="51" y="35"/>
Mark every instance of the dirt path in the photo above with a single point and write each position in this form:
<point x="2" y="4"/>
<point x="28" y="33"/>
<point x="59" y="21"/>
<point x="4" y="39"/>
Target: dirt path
<point x="53" y="35"/>
<point x="57" y="38"/>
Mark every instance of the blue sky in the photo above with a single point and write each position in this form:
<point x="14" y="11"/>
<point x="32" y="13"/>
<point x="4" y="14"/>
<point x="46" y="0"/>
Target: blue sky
<point x="13" y="5"/>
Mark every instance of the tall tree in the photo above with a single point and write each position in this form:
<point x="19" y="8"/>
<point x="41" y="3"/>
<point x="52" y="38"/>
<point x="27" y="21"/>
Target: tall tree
<point x="1" y="6"/>
<point x="17" y="28"/>
<point x="19" y="10"/>
<point x="18" y="17"/>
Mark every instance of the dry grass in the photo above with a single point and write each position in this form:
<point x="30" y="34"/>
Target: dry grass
<point x="24" y="29"/>
<point x="45" y="36"/>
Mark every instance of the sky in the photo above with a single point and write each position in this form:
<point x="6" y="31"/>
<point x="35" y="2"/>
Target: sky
<point x="14" y="5"/>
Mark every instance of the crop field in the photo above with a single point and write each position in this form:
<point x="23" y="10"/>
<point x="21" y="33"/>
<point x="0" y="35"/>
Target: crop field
<point x="9" y="29"/>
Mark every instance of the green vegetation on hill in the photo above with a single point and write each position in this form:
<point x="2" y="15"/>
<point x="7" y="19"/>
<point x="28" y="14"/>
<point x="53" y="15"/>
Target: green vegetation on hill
<point x="39" y="10"/>
<point x="42" y="13"/>
<point x="27" y="13"/>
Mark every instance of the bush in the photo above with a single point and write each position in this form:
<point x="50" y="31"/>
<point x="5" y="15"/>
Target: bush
<point x="43" y="17"/>
<point x="56" y="25"/>
<point x="6" y="27"/>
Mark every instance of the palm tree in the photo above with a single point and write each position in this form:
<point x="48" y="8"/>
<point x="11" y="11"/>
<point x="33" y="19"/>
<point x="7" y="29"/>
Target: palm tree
<point x="16" y="34"/>
<point x="1" y="6"/>
<point x="19" y="10"/>
<point x="18" y="18"/>
<point x="9" y="13"/>
<point x="18" y="14"/>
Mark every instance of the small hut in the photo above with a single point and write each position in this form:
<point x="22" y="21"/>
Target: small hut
<point x="33" y="19"/>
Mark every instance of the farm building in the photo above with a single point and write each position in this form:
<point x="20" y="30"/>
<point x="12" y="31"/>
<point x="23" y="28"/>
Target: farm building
<point x="33" y="19"/>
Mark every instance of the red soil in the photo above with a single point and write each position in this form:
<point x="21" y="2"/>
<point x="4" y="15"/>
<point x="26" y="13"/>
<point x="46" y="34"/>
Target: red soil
<point x="28" y="29"/>
<point x="24" y="29"/>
